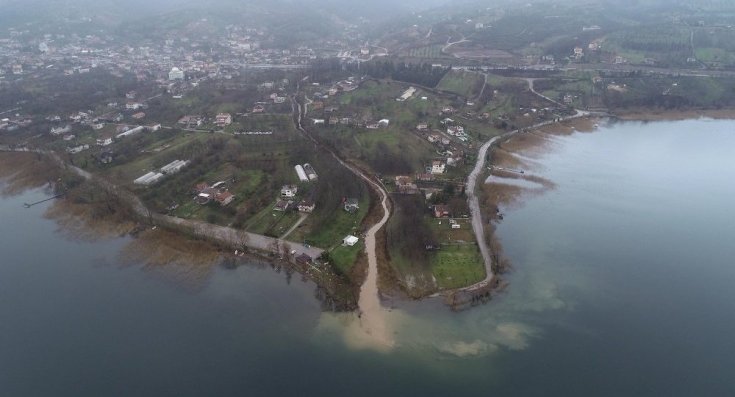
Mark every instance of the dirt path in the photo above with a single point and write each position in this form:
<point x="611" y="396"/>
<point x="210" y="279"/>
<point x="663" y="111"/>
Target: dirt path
<point x="373" y="327"/>
<point x="302" y="218"/>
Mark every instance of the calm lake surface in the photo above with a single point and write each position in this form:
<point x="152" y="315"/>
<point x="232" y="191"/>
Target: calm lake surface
<point x="623" y="286"/>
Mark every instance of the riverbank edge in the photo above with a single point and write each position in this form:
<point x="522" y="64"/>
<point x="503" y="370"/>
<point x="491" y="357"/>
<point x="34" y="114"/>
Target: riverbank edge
<point x="221" y="238"/>
<point x="638" y="115"/>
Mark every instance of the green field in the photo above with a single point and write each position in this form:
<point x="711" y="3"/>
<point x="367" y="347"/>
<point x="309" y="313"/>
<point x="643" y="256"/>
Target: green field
<point x="429" y="51"/>
<point x="341" y="224"/>
<point x="465" y="83"/>
<point x="344" y="257"/>
<point x="457" y="266"/>
<point x="272" y="223"/>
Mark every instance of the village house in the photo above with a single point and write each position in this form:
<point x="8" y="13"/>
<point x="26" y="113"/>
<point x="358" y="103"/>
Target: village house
<point x="224" y="198"/>
<point x="289" y="191"/>
<point x="258" y="109"/>
<point x="307" y="206"/>
<point x="422" y="127"/>
<point x="105" y="140"/>
<point x="223" y="119"/>
<point x="217" y="192"/>
<point x="60" y="130"/>
<point x="133" y="105"/>
<point x="438" y="167"/>
<point x="190" y="121"/>
<point x="138" y="116"/>
<point x="455" y="130"/>
<point x="351" y="205"/>
<point x="441" y="211"/>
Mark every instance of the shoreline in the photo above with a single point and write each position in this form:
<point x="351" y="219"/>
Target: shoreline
<point x="495" y="152"/>
<point x="646" y="115"/>
<point x="522" y="151"/>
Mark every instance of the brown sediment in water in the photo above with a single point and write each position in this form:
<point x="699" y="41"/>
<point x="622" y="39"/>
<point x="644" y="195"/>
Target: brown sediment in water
<point x="173" y="258"/>
<point x="84" y="222"/>
<point x="527" y="145"/>
<point x="22" y="171"/>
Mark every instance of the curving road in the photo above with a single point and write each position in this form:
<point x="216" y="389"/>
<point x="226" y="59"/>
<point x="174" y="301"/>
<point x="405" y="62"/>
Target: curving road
<point x="477" y="224"/>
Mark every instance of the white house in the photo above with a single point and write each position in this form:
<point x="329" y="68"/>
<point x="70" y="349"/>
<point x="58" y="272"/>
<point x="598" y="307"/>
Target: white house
<point x="289" y="191"/>
<point x="60" y="130"/>
<point x="350" y="241"/>
<point x="104" y="141"/>
<point x="438" y="167"/>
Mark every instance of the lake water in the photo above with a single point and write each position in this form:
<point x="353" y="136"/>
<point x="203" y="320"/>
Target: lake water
<point x="623" y="286"/>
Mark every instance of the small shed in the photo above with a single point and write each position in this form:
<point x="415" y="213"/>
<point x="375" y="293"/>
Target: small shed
<point x="350" y="241"/>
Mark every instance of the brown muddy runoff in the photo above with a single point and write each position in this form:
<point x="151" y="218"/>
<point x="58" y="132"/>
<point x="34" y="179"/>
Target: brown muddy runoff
<point x="86" y="215"/>
<point x="507" y="186"/>
<point x="22" y="171"/>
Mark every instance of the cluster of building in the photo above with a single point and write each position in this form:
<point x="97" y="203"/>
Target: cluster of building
<point x="287" y="200"/>
<point x="218" y="193"/>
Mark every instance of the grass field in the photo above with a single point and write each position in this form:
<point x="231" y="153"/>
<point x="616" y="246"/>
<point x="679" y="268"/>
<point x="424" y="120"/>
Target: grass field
<point x="465" y="83"/>
<point x="341" y="223"/>
<point x="272" y="223"/>
<point x="715" y="55"/>
<point x="429" y="51"/>
<point x="344" y="257"/>
<point x="457" y="266"/>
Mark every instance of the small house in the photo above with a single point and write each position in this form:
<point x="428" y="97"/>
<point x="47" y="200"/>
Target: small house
<point x="437" y="167"/>
<point x="224" y="198"/>
<point x="289" y="191"/>
<point x="307" y="206"/>
<point x="441" y="211"/>
<point x="223" y="120"/>
<point x="350" y="241"/>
